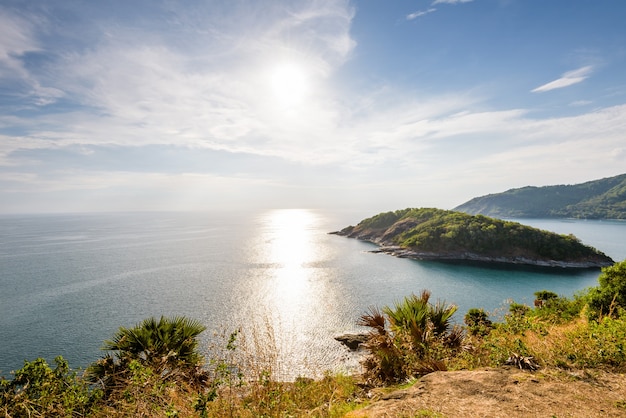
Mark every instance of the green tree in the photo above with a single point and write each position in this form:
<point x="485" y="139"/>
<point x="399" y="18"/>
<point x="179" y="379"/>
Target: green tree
<point x="611" y="294"/>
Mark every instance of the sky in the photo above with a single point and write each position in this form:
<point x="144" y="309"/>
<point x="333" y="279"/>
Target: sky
<point x="340" y="105"/>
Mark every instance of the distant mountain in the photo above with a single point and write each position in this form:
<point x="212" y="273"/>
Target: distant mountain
<point x="436" y="234"/>
<point x="598" y="199"/>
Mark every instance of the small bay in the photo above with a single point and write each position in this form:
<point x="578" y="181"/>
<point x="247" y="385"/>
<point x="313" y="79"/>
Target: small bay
<point x="68" y="282"/>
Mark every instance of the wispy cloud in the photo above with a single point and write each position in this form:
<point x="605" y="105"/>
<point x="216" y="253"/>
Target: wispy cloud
<point x="419" y="13"/>
<point x="567" y="79"/>
<point x="451" y="1"/>
<point x="136" y="88"/>
<point x="17" y="39"/>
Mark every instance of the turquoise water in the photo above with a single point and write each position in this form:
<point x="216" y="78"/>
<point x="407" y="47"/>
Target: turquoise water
<point x="69" y="281"/>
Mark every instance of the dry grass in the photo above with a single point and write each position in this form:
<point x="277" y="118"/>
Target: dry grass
<point x="574" y="344"/>
<point x="254" y="384"/>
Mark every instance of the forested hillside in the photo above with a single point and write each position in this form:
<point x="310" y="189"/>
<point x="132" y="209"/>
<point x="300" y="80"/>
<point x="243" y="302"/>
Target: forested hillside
<point x="598" y="199"/>
<point x="429" y="233"/>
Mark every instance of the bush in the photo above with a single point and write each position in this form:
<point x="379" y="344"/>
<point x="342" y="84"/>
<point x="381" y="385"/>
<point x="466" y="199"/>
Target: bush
<point x="611" y="294"/>
<point x="167" y="347"/>
<point x="545" y="295"/>
<point x="559" y="309"/>
<point x="38" y="390"/>
<point x="477" y="321"/>
<point x="518" y="309"/>
<point x="414" y="337"/>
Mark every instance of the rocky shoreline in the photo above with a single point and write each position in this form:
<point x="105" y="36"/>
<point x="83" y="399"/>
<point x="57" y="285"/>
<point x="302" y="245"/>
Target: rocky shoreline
<point x="402" y="252"/>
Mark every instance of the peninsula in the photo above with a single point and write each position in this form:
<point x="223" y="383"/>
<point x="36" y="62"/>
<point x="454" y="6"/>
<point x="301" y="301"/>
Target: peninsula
<point x="436" y="234"/>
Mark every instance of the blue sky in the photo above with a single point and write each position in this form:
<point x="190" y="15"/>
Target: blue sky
<point x="365" y="105"/>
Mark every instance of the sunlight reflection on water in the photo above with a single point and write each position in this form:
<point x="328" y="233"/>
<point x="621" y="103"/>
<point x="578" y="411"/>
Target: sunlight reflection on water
<point x="291" y="246"/>
<point x="293" y="291"/>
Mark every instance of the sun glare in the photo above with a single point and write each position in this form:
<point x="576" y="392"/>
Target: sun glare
<point x="290" y="233"/>
<point x="289" y="84"/>
<point x="291" y="237"/>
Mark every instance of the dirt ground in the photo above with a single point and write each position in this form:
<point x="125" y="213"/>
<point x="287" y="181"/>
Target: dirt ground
<point x="505" y="392"/>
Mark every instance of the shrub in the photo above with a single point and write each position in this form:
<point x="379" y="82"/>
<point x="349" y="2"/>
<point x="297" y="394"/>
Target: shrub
<point x="611" y="294"/>
<point x="167" y="347"/>
<point x="39" y="390"/>
<point x="559" y="309"/>
<point x="477" y="321"/>
<point x="413" y="337"/>
<point x="518" y="309"/>
<point x="545" y="295"/>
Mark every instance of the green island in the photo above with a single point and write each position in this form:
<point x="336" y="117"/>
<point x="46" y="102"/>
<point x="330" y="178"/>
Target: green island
<point x="437" y="234"/>
<point x="597" y="199"/>
<point x="549" y="359"/>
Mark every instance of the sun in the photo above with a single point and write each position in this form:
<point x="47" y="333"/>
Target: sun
<point x="289" y="83"/>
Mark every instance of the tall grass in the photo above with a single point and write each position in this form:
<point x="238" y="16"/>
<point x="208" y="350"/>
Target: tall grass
<point x="249" y="376"/>
<point x="566" y="342"/>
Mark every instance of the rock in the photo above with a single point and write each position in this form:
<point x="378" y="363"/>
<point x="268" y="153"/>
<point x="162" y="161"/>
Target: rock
<point x="466" y="256"/>
<point x="352" y="341"/>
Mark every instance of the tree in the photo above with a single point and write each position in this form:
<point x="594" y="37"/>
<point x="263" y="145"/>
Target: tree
<point x="611" y="294"/>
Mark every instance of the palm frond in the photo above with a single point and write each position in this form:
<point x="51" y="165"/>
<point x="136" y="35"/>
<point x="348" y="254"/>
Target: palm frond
<point x="373" y="318"/>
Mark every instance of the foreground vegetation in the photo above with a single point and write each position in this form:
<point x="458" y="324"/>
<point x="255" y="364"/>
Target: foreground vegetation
<point x="154" y="368"/>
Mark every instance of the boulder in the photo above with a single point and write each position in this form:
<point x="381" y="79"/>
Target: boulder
<point x="352" y="341"/>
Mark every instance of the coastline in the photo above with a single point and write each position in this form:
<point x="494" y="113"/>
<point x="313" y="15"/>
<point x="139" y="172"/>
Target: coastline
<point x="402" y="252"/>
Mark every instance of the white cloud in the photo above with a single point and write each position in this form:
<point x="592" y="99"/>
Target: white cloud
<point x="387" y="149"/>
<point x="568" y="79"/>
<point x="17" y="39"/>
<point x="581" y="103"/>
<point x="420" y="13"/>
<point x="140" y="90"/>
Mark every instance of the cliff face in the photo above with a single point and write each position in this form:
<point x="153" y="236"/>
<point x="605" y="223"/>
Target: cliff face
<point x="434" y="234"/>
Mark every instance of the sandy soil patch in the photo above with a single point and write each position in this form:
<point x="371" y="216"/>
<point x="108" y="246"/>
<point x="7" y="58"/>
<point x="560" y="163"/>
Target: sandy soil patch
<point x="505" y="392"/>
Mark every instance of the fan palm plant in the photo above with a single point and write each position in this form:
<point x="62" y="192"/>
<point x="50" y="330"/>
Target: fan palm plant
<point x="405" y="338"/>
<point x="158" y="343"/>
<point x="411" y="316"/>
<point x="167" y="346"/>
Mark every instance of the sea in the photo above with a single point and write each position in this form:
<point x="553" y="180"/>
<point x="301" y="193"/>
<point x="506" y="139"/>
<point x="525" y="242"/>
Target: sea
<point x="275" y="277"/>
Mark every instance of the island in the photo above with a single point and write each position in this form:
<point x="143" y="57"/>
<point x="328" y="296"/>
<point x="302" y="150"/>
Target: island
<point x="446" y="235"/>
<point x="596" y="199"/>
